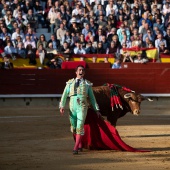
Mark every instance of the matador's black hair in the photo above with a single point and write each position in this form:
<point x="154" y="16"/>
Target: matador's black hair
<point x="79" y="66"/>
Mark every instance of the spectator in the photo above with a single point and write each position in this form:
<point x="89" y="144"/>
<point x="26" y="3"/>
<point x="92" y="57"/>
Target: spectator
<point x="117" y="64"/>
<point x="67" y="38"/>
<point x="159" y="24"/>
<point x="126" y="41"/>
<point x="163" y="49"/>
<point x="150" y="35"/>
<point x="54" y="64"/>
<point x="40" y="52"/>
<point x="42" y="40"/>
<point x="82" y="40"/>
<point x="159" y="40"/>
<point x="4" y="33"/>
<point x="136" y="38"/>
<point x="55" y="42"/>
<point x="60" y="32"/>
<point x="140" y="59"/>
<point x="65" y="48"/>
<point x="32" y="19"/>
<point x="51" y="52"/>
<point x="111" y="33"/>
<point x="74" y="28"/>
<point x="17" y="41"/>
<point x="32" y="34"/>
<point x="52" y="16"/>
<point x="167" y="37"/>
<point x="112" y="48"/>
<point x="10" y="50"/>
<point x="86" y="30"/>
<point x="39" y="13"/>
<point x="21" y="51"/>
<point x="94" y="43"/>
<point x="29" y="41"/>
<point x="100" y="49"/>
<point x="90" y="49"/>
<point x="145" y="17"/>
<point x="120" y="32"/>
<point x="16" y="34"/>
<point x="30" y="52"/>
<point x="79" y="49"/>
<point x="6" y="64"/>
<point x="127" y="57"/>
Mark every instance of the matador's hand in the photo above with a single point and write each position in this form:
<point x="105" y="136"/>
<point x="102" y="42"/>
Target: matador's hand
<point x="62" y="111"/>
<point x="98" y="114"/>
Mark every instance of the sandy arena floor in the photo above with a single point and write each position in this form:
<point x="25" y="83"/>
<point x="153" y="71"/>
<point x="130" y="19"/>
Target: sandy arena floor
<point x="38" y="138"/>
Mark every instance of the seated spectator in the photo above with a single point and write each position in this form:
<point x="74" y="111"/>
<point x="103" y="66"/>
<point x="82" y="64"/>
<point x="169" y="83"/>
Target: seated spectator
<point x="116" y="40"/>
<point x="39" y="13"/>
<point x="32" y="19"/>
<point x="65" y="48"/>
<point x="110" y="34"/>
<point x="126" y="41"/>
<point x="10" y="50"/>
<point x="40" y="52"/>
<point x="112" y="48"/>
<point x="127" y="57"/>
<point x="86" y="30"/>
<point x="136" y="39"/>
<point x="54" y="63"/>
<point x="79" y="49"/>
<point x="117" y="64"/>
<point x="146" y="43"/>
<point x="104" y="42"/>
<point x="167" y="37"/>
<point x="140" y="59"/>
<point x="143" y="29"/>
<point x="145" y="17"/>
<point x="21" y="51"/>
<point x="159" y="24"/>
<point x="29" y="41"/>
<point x="82" y="40"/>
<point x="17" y="41"/>
<point x="52" y="16"/>
<point x="30" y="53"/>
<point x="6" y="64"/>
<point x="100" y="49"/>
<point x="4" y="33"/>
<point x="122" y="31"/>
<point x="150" y="35"/>
<point x="67" y="38"/>
<point x="94" y="43"/>
<point x="42" y="40"/>
<point x="16" y="34"/>
<point x="32" y="34"/>
<point x="60" y="32"/>
<point x="90" y="49"/>
<point x="163" y="49"/>
<point x="55" y="43"/>
<point x="159" y="40"/>
<point x="51" y="51"/>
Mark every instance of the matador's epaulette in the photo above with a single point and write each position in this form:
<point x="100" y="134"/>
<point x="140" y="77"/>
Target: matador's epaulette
<point x="88" y="83"/>
<point x="70" y="81"/>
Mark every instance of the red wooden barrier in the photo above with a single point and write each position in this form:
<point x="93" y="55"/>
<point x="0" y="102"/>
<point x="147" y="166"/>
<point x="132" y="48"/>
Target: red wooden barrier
<point x="149" y="78"/>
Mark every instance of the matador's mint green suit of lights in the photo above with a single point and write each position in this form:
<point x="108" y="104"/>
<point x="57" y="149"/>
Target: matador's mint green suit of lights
<point x="78" y="103"/>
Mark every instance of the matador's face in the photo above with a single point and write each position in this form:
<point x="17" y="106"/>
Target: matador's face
<point x="80" y="72"/>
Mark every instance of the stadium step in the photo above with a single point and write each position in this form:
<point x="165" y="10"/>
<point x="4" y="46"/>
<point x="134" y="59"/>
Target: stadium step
<point x="42" y="30"/>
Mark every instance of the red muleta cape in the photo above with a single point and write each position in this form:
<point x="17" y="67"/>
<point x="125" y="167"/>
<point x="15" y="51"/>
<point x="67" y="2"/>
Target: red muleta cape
<point x="101" y="135"/>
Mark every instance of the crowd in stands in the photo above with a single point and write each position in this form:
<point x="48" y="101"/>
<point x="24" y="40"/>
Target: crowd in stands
<point x="83" y="27"/>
